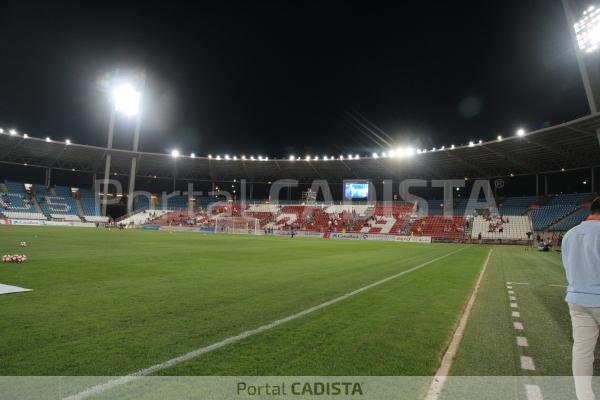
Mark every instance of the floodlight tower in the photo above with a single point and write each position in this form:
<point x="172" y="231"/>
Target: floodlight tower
<point x="125" y="99"/>
<point x="585" y="33"/>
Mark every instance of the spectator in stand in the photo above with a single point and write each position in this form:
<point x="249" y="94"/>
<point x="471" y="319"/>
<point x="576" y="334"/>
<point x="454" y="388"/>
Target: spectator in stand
<point x="581" y="259"/>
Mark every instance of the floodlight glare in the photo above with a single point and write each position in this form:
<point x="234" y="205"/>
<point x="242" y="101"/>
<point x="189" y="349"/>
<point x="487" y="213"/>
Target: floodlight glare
<point x="193" y="155"/>
<point x="452" y="147"/>
<point x="126" y="99"/>
<point x="67" y="141"/>
<point x="409" y="151"/>
<point x="292" y="158"/>
<point x="375" y="155"/>
<point x="175" y="153"/>
<point x="25" y="135"/>
<point x="356" y="157"/>
<point x="587" y="30"/>
<point x="48" y="139"/>
<point x="13" y="132"/>
<point x="521" y="132"/>
<point x="235" y="157"/>
<point x="349" y="156"/>
<point x="499" y="137"/>
<point x="1" y="130"/>
<point x="471" y="144"/>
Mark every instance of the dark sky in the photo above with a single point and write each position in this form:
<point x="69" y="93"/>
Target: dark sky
<point x="281" y="77"/>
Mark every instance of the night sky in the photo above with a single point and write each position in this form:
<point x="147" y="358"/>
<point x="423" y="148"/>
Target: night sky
<point x="277" y="78"/>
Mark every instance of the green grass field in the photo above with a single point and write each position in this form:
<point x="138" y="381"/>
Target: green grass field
<point x="115" y="302"/>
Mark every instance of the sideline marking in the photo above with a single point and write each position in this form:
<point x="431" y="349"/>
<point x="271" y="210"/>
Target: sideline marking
<point x="437" y="384"/>
<point x="94" y="390"/>
<point x="511" y="292"/>
<point x="522" y="341"/>
<point x="533" y="392"/>
<point x="518" y="326"/>
<point x="516" y="314"/>
<point x="509" y="287"/>
<point x="520" y="283"/>
<point x="512" y="298"/>
<point x="527" y="363"/>
<point x="514" y="305"/>
<point x="558" y="285"/>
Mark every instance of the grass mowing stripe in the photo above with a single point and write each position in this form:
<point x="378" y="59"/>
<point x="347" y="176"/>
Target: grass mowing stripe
<point x="442" y="373"/>
<point x="193" y="354"/>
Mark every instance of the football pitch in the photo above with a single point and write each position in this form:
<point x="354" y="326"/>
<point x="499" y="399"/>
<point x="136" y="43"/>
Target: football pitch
<point x="107" y="303"/>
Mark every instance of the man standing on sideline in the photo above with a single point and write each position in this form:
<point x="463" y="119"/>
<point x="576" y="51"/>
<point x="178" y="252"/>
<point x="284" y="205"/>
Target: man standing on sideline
<point x="581" y="259"/>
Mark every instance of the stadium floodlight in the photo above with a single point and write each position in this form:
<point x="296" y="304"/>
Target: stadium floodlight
<point x="218" y="157"/>
<point x="235" y="157"/>
<point x="193" y="155"/>
<point x="126" y="99"/>
<point x="480" y="141"/>
<point x="210" y="156"/>
<point x="325" y="158"/>
<point x="227" y="156"/>
<point x="265" y="158"/>
<point x="1" y="130"/>
<point x="243" y="157"/>
<point x="25" y="135"/>
<point x="587" y="30"/>
<point x="174" y="153"/>
<point x="13" y="132"/>
<point x="48" y="139"/>
<point x="384" y="154"/>
<point x="471" y="144"/>
<point x="499" y="137"/>
<point x="585" y="182"/>
<point x="452" y="147"/>
<point x="291" y="158"/>
<point x="307" y="158"/>
<point x="521" y="132"/>
<point x="252" y="158"/>
<point x="375" y="155"/>
<point x="316" y="158"/>
<point x="356" y="156"/>
<point x="409" y="151"/>
<point x="349" y="156"/>
<point x="67" y="142"/>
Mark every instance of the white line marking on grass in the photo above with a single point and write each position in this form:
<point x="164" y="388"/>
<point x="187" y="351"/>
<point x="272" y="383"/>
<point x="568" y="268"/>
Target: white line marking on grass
<point x="533" y="392"/>
<point x="522" y="341"/>
<point x="514" y="305"/>
<point x="94" y="390"/>
<point x="520" y="283"/>
<point x="437" y="384"/>
<point x="511" y="292"/>
<point x="527" y="363"/>
<point x="509" y="287"/>
<point x="512" y="298"/>
<point x="558" y="285"/>
<point x="516" y="314"/>
<point x="518" y="325"/>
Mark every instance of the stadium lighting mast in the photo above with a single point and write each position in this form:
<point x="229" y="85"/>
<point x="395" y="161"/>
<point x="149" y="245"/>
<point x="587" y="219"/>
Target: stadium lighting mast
<point x="126" y="100"/>
<point x="585" y="34"/>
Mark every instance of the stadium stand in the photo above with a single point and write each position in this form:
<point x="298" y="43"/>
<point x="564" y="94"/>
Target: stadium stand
<point x="545" y="216"/>
<point x="516" y="205"/>
<point x="439" y="227"/>
<point x="571" y="220"/>
<point x="56" y="206"/>
<point x="90" y="206"/>
<point x="514" y="227"/>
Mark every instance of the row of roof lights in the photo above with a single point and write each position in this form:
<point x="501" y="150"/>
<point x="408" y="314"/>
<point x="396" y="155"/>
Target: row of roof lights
<point x="400" y="152"/>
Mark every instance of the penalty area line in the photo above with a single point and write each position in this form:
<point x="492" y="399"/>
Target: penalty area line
<point x="103" y="387"/>
<point x="437" y="384"/>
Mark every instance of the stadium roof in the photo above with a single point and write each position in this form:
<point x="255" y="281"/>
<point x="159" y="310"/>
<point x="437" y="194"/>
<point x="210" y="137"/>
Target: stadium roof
<point x="570" y="145"/>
